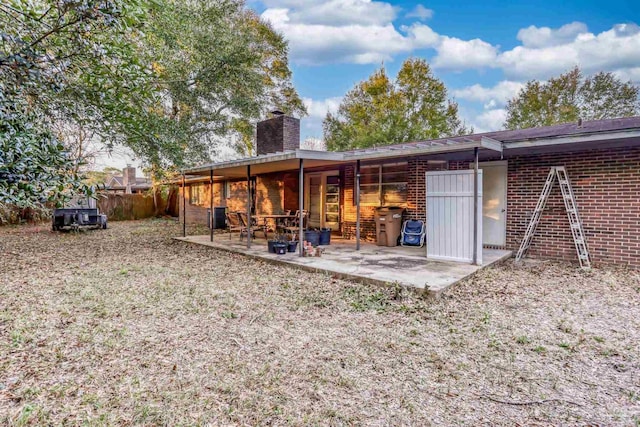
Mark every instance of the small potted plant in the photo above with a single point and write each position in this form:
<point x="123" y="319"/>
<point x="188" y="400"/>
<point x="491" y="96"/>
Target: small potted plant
<point x="292" y="245"/>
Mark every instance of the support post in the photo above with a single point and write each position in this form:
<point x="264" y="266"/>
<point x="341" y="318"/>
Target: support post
<point x="184" y="206"/>
<point x="248" y="206"/>
<point x="301" y="208"/>
<point x="475" y="206"/>
<point x="357" y="195"/>
<point x="211" y="214"/>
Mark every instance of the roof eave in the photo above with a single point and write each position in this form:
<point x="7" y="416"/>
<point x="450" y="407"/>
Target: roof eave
<point x="382" y="152"/>
<point x="573" y="139"/>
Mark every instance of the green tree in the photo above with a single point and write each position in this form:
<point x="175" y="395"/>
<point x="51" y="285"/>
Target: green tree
<point x="168" y="79"/>
<point x="44" y="45"/>
<point x="219" y="69"/>
<point x="571" y="96"/>
<point x="35" y="169"/>
<point x="379" y="111"/>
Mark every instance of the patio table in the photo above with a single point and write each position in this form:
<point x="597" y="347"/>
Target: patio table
<point x="279" y="219"/>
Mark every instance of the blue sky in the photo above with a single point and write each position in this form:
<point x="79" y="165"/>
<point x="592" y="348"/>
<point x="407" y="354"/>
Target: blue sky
<point x="483" y="51"/>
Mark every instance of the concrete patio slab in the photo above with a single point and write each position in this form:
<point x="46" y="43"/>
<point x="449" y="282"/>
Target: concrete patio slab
<point x="382" y="265"/>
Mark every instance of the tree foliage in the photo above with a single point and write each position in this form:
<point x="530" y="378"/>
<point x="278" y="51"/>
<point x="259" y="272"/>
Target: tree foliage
<point x="379" y="111"/>
<point x="219" y="68"/>
<point x="571" y="96"/>
<point x="35" y="170"/>
<point x="45" y="46"/>
<point x="168" y="79"/>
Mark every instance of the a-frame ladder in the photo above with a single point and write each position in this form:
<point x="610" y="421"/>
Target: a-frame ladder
<point x="572" y="213"/>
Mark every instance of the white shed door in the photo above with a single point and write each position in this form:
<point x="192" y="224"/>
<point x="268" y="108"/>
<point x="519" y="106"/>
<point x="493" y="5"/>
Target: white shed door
<point x="450" y="216"/>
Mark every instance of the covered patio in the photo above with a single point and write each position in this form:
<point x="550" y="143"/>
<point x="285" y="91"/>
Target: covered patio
<point x="354" y="258"/>
<point x="379" y="265"/>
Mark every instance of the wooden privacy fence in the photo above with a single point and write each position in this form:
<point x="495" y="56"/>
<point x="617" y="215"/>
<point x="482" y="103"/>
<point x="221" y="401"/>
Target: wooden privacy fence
<point x="121" y="207"/>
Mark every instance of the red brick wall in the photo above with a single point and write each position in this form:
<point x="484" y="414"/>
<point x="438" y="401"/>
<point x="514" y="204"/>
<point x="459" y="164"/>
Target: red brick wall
<point x="416" y="200"/>
<point x="269" y="194"/>
<point x="367" y="224"/>
<point x="291" y="201"/>
<point x="606" y="184"/>
<point x="269" y="198"/>
<point x="197" y="214"/>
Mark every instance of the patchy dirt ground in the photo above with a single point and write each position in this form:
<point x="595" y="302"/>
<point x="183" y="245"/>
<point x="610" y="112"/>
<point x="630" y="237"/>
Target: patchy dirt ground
<point x="128" y="327"/>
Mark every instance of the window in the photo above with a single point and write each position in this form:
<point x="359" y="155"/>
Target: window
<point x="383" y="185"/>
<point x="198" y="194"/>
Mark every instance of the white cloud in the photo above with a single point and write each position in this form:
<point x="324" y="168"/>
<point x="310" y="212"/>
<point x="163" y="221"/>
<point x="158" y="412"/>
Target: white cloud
<point x="420" y="12"/>
<point x="489" y="120"/>
<point x="493" y="96"/>
<point x="345" y="12"/>
<point x="422" y="36"/>
<point x="320" y="107"/>
<point x="614" y="50"/>
<point x="536" y="37"/>
<point x="363" y="32"/>
<point x="457" y="54"/>
<point x="313" y="44"/>
<point x="336" y="12"/>
<point x="629" y="74"/>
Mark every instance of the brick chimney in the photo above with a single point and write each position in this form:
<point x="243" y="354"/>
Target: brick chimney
<point x="277" y="134"/>
<point x="128" y="178"/>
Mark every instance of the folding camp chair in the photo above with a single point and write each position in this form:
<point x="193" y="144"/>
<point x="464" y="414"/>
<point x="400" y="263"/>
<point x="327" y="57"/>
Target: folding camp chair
<point x="413" y="233"/>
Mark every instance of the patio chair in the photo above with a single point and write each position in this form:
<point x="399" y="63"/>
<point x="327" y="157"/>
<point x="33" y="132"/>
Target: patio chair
<point x="294" y="227"/>
<point x="413" y="233"/>
<point x="234" y="224"/>
<point x="242" y="217"/>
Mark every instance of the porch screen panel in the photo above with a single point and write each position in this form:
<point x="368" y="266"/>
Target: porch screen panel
<point x="450" y="215"/>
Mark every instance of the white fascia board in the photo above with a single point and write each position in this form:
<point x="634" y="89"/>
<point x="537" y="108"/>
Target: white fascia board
<point x="562" y="140"/>
<point x="268" y="158"/>
<point x="319" y="155"/>
<point x="417" y="151"/>
<point x="265" y="158"/>
<point x="491" y="144"/>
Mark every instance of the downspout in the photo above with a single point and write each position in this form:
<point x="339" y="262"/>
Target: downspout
<point x="248" y="207"/>
<point x="301" y="208"/>
<point x="184" y="206"/>
<point x="211" y="213"/>
<point x="357" y="195"/>
<point x="475" y="206"/>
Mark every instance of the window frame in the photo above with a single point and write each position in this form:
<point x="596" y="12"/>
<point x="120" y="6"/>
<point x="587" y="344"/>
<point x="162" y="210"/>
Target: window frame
<point x="197" y="193"/>
<point x="380" y="184"/>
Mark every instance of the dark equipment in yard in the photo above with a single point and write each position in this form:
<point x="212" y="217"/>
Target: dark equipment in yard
<point x="84" y="215"/>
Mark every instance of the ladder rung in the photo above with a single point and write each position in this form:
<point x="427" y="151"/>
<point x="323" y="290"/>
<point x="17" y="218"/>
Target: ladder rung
<point x="572" y="213"/>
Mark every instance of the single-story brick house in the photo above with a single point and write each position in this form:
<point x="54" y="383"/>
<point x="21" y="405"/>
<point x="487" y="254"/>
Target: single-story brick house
<point x="602" y="159"/>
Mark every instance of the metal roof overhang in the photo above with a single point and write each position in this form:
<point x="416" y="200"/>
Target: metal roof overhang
<point x="430" y="148"/>
<point x="268" y="163"/>
<point x="592" y="141"/>
<point x="290" y="160"/>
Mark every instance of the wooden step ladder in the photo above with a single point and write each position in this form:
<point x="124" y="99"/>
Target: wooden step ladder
<point x="572" y="213"/>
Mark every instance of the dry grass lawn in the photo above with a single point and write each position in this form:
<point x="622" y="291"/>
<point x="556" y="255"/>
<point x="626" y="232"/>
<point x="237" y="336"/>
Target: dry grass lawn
<point x="128" y="327"/>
